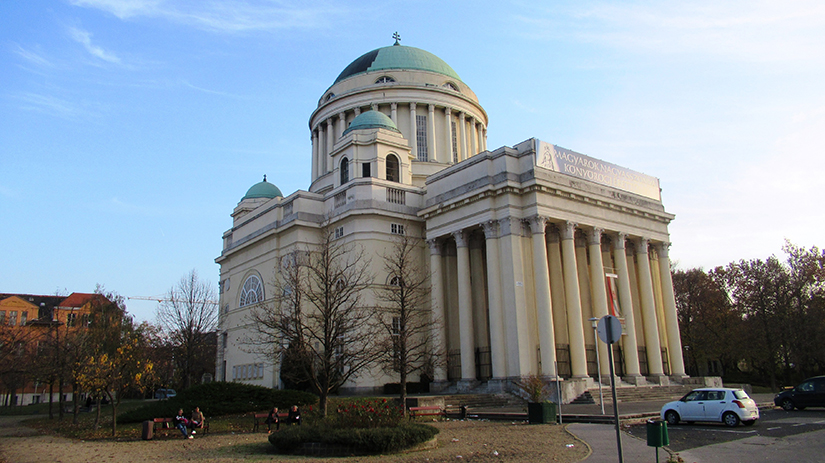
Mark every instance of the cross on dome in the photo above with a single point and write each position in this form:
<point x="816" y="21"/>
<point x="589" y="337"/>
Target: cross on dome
<point x="396" y="37"/>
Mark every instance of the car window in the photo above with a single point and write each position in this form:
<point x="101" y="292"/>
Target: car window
<point x="696" y="395"/>
<point x="716" y="395"/>
<point x="741" y="394"/>
<point x="819" y="385"/>
<point x="807" y="386"/>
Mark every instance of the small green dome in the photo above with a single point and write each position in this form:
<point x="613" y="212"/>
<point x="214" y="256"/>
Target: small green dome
<point x="263" y="190"/>
<point x="397" y="57"/>
<point x="372" y="120"/>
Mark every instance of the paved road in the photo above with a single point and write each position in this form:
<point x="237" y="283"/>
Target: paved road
<point x="778" y="436"/>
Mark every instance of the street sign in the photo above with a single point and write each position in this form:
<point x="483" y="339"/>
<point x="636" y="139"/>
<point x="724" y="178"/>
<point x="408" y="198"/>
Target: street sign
<point x="609" y="329"/>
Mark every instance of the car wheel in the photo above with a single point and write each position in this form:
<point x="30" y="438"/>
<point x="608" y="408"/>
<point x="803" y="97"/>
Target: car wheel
<point x="672" y="418"/>
<point x="787" y="405"/>
<point x="749" y="423"/>
<point x="730" y="419"/>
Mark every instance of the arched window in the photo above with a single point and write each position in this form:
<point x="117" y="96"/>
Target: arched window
<point x="384" y="80"/>
<point x="395" y="281"/>
<point x="252" y="291"/>
<point x="329" y="96"/>
<point x="344" y="171"/>
<point x="450" y="86"/>
<point x="393" y="170"/>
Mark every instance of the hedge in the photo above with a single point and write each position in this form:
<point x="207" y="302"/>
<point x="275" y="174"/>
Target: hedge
<point x="372" y="440"/>
<point x="220" y="398"/>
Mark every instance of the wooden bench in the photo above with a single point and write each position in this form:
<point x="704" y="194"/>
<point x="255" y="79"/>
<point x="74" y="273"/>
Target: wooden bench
<point x="168" y="424"/>
<point x="260" y="419"/>
<point x="416" y="412"/>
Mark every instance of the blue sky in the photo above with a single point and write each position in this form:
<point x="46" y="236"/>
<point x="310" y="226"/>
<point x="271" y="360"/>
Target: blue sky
<point x="129" y="129"/>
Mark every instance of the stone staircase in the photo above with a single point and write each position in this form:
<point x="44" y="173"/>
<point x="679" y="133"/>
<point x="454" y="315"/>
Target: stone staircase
<point x="639" y="393"/>
<point x="482" y="400"/>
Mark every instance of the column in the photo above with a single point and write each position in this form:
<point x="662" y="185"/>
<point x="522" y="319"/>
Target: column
<point x="330" y="144"/>
<point x="674" y="343"/>
<point x="342" y="125"/>
<point x="498" y="353"/>
<point x="322" y="150"/>
<point x="514" y="300"/>
<point x="448" y="131"/>
<point x="631" y="347"/>
<point x="473" y="138"/>
<point x="551" y="239"/>
<point x="357" y="111"/>
<point x="578" y="358"/>
<point x="374" y="107"/>
<point x="314" y="155"/>
<point x="413" y="136"/>
<point x="598" y="291"/>
<point x="465" y="307"/>
<point x="431" y="133"/>
<point x="438" y="340"/>
<point x="484" y="138"/>
<point x="654" y="351"/>
<point x="462" y="142"/>
<point x="394" y="112"/>
<point x="544" y="308"/>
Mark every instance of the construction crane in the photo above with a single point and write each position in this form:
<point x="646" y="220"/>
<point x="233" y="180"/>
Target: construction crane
<point x="166" y="299"/>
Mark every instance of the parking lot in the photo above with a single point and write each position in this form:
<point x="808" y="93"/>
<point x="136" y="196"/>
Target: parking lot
<point x="774" y="424"/>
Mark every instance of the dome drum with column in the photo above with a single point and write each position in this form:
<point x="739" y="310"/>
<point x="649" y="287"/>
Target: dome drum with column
<point x="517" y="247"/>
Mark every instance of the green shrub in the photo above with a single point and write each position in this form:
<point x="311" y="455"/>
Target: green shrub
<point x="363" y="440"/>
<point x="220" y="398"/>
<point x="366" y="413"/>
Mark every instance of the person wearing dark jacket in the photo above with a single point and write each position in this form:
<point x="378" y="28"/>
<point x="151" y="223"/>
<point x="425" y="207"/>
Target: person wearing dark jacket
<point x="273" y="419"/>
<point x="294" y="416"/>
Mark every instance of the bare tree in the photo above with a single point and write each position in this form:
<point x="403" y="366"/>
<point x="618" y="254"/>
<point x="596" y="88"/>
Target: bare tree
<point x="317" y="319"/>
<point x="189" y="313"/>
<point x="404" y="313"/>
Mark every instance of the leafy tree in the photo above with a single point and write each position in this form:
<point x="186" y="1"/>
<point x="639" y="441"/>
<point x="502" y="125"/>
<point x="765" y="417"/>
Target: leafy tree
<point x="404" y="313"/>
<point x="189" y="313"/>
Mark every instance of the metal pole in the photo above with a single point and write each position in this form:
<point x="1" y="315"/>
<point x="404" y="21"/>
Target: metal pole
<point x="616" y="406"/>
<point x="593" y="321"/>
<point x="558" y="388"/>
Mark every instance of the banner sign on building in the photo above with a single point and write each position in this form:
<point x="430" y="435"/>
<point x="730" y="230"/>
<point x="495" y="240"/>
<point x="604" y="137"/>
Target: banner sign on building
<point x="568" y="162"/>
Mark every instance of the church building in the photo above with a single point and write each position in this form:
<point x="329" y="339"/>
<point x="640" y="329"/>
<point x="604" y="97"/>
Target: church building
<point x="526" y="244"/>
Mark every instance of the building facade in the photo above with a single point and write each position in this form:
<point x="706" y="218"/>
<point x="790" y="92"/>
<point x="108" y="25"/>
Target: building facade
<point x="525" y="244"/>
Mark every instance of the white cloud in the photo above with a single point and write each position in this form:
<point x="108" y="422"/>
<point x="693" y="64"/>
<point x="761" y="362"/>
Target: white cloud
<point x="56" y="106"/>
<point x="31" y="56"/>
<point x="225" y="15"/>
<point x="763" y="31"/>
<point x="85" y="38"/>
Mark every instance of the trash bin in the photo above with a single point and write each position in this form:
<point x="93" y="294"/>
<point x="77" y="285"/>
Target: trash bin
<point x="541" y="413"/>
<point x="657" y="433"/>
<point x="148" y="430"/>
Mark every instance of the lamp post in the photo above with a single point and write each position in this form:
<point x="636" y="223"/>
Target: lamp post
<point x="595" y="323"/>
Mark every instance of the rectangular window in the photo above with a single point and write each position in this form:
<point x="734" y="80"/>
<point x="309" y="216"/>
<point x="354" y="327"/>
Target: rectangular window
<point x="455" y="143"/>
<point x="224" y="339"/>
<point x="70" y="319"/>
<point x="85" y="320"/>
<point x="2" y="316"/>
<point x="24" y="317"/>
<point x="396" y="326"/>
<point x="365" y="170"/>
<point x="396" y="229"/>
<point x="339" y="232"/>
<point x="234" y="372"/>
<point x="12" y="318"/>
<point x="421" y="137"/>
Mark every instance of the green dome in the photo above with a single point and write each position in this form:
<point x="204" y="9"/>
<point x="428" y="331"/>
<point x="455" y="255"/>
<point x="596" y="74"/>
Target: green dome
<point x="372" y="120"/>
<point x="263" y="190"/>
<point x="397" y="57"/>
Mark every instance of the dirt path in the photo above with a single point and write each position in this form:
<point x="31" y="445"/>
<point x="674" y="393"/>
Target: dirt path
<point x="475" y="441"/>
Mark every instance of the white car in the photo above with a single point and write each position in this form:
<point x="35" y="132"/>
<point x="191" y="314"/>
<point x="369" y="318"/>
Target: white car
<point x="725" y="405"/>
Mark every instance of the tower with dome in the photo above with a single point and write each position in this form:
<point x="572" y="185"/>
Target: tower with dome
<point x="525" y="244"/>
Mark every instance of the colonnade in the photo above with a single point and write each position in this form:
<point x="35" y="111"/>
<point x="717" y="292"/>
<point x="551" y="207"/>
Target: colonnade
<point x="470" y="135"/>
<point x="544" y="281"/>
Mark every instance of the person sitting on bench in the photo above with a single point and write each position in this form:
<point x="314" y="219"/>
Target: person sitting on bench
<point x="197" y="420"/>
<point x="181" y="423"/>
<point x="294" y="416"/>
<point x="271" y="419"/>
